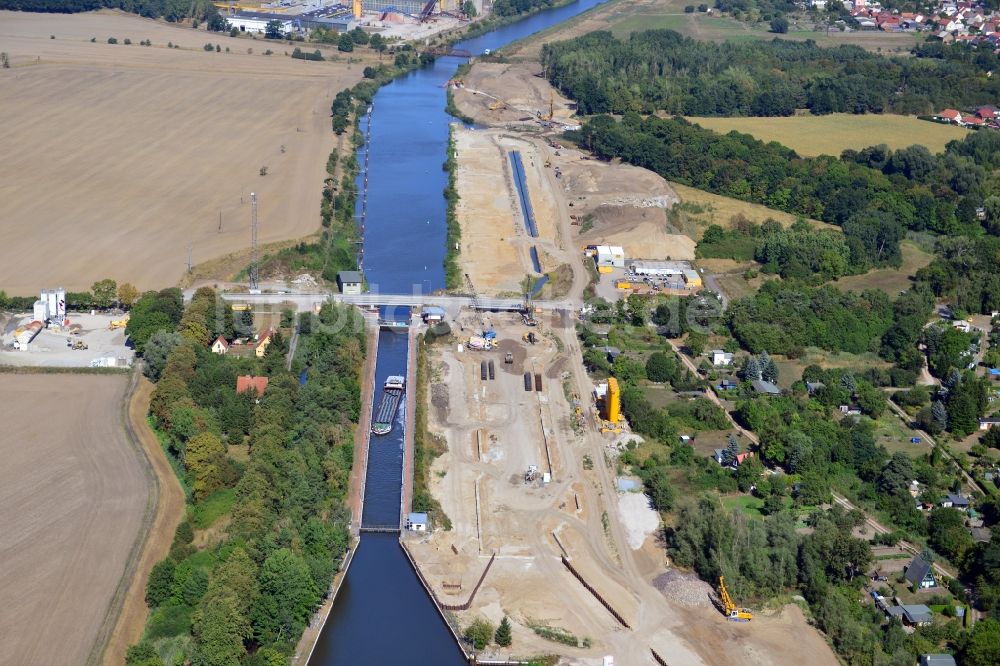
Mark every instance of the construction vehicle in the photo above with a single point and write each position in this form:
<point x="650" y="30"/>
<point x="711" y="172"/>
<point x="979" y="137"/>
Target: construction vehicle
<point x="78" y="345"/>
<point x="529" y="337"/>
<point x="498" y="104"/>
<point x="118" y="323"/>
<point x="729" y="609"/>
<point x="508" y="358"/>
<point x="548" y="116"/>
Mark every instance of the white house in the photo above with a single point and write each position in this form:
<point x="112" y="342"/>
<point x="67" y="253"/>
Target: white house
<point x="416" y="522"/>
<point x="721" y="358"/>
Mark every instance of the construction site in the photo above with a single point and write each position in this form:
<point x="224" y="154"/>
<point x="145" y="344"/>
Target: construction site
<point x="543" y="531"/>
<point x="557" y="203"/>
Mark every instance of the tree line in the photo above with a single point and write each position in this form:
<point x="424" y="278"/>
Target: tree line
<point x="245" y="595"/>
<point x="661" y="70"/>
<point x="171" y="10"/>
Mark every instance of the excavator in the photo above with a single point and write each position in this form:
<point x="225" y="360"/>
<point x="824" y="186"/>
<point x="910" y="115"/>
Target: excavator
<point x="729" y="608"/>
<point x="552" y="110"/>
<point x="498" y="104"/>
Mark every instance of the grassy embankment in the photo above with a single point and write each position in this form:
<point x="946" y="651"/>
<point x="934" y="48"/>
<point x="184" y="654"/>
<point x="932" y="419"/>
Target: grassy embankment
<point x="426" y="446"/>
<point x="452" y="271"/>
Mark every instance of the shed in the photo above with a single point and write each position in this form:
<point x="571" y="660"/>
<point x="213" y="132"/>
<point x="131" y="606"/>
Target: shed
<point x="920" y="574"/>
<point x="917" y="614"/>
<point x="721" y="358"/>
<point x="691" y="278"/>
<point x="987" y="423"/>
<point x="432" y="314"/>
<point x="610" y="255"/>
<point x="349" y="282"/>
<point x="765" y="387"/>
<point x="416" y="522"/>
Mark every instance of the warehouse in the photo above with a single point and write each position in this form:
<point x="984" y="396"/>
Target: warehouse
<point x="665" y="269"/>
<point x="256" y="22"/>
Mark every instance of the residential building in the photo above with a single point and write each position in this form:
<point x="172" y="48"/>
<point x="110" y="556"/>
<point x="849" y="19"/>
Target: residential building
<point x="721" y="358"/>
<point x="914" y="615"/>
<point x="262" y="342"/>
<point x="349" y="282"/>
<point x="220" y="346"/>
<point x="246" y="383"/>
<point x="937" y="660"/>
<point x="955" y="502"/>
<point x="989" y="422"/>
<point x="920" y="574"/>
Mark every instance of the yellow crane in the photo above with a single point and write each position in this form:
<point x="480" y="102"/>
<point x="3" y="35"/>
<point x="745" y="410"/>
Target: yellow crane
<point x="552" y="108"/>
<point x="729" y="608"/>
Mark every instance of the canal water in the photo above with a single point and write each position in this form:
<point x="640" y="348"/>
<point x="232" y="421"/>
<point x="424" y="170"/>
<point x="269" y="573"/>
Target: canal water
<point x="382" y="615"/>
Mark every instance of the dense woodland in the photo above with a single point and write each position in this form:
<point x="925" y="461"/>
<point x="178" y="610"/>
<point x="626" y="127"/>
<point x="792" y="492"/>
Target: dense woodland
<point x="660" y="70"/>
<point x="275" y="467"/>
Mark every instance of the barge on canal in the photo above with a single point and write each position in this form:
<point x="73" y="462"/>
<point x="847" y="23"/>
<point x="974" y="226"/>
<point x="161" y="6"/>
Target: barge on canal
<point x="385" y="415"/>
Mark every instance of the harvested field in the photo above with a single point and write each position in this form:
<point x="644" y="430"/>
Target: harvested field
<point x="810" y="135"/>
<point x="890" y="280"/>
<point x="120" y="157"/>
<point x="73" y="493"/>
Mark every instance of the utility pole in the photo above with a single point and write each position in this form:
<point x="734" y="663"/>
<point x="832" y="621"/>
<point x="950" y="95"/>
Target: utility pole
<point x="189" y="257"/>
<point x="220" y="221"/>
<point x="254" y="286"/>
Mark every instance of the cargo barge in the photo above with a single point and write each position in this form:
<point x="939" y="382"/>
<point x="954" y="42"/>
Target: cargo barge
<point x="385" y="415"/>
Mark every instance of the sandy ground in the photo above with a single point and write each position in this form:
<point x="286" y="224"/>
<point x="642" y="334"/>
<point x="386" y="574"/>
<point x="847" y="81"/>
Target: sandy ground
<point x="72" y="496"/>
<point x="170" y="509"/>
<point x="118" y="158"/>
<point x="638" y="517"/>
<point x="519" y="93"/>
<point x="50" y="347"/>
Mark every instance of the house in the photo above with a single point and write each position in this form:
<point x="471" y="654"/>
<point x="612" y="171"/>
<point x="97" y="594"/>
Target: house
<point x="937" y="660"/>
<point x="263" y="340"/>
<point x="989" y="422"/>
<point x="721" y="358"/>
<point x="951" y="115"/>
<point x="416" y="522"/>
<point x="719" y="455"/>
<point x="245" y="383"/>
<point x="960" y="324"/>
<point x="432" y="314"/>
<point x="920" y="574"/>
<point x="742" y="457"/>
<point x="220" y="346"/>
<point x="728" y="384"/>
<point x="349" y="282"/>
<point x="765" y="387"/>
<point x="850" y="410"/>
<point x="955" y="502"/>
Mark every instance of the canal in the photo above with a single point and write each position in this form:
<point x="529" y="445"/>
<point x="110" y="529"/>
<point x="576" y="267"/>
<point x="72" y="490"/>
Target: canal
<point x="382" y="614"/>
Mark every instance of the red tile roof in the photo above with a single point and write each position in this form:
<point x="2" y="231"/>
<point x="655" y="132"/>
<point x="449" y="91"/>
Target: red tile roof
<point x="246" y="382"/>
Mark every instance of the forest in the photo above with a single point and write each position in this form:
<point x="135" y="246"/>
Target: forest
<point x="660" y="70"/>
<point x="274" y="466"/>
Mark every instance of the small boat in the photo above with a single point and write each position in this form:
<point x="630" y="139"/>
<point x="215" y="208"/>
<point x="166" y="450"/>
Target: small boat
<point x="385" y="414"/>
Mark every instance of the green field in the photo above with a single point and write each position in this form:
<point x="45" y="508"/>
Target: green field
<point x="810" y="135"/>
<point x="890" y="280"/>
<point x="747" y="504"/>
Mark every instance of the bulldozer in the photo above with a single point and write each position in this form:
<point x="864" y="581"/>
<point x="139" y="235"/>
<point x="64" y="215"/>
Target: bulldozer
<point x="499" y="104"/>
<point x="730" y="609"/>
<point x="119" y="323"/>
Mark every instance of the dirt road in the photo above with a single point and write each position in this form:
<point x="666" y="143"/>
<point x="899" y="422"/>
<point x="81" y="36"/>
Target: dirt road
<point x="73" y="492"/>
<point x="170" y="508"/>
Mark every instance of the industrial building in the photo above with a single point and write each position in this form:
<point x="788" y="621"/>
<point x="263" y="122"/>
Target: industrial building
<point x="256" y="22"/>
<point x="338" y="18"/>
<point x="349" y="282"/>
<point x="612" y="256"/>
<point x="50" y="306"/>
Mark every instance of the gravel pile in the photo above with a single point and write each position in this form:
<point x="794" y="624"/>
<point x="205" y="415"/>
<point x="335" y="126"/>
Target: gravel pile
<point x="685" y="588"/>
